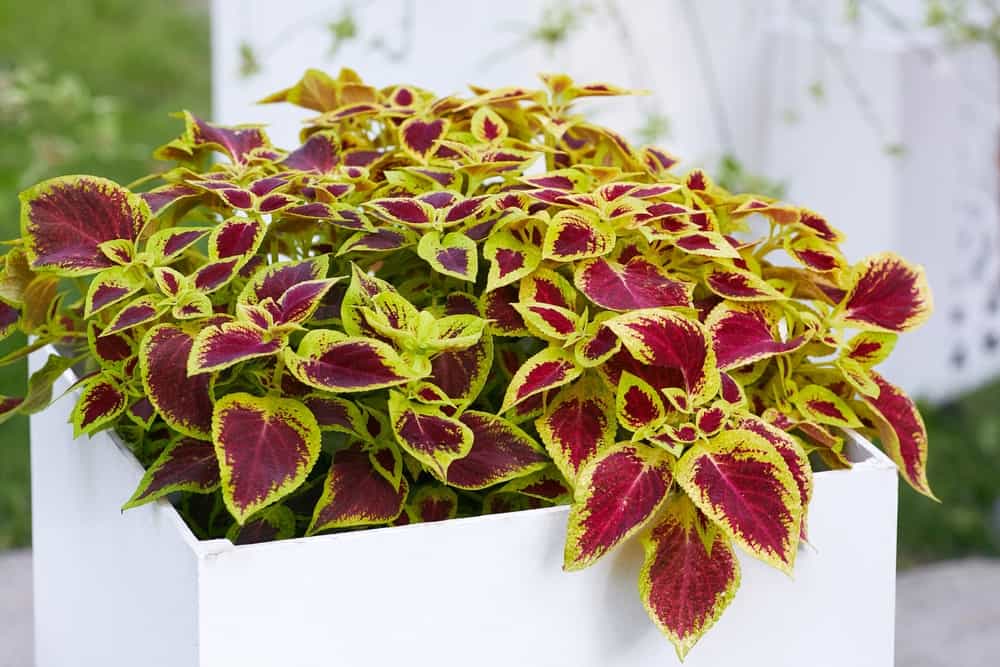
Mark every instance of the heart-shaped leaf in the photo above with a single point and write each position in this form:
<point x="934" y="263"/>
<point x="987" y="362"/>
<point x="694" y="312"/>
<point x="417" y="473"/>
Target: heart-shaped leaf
<point x="428" y="434"/>
<point x="419" y="138"/>
<point x="266" y="448"/>
<point x="577" y="234"/>
<point x="616" y="494"/>
<point x="453" y="254"/>
<point x="510" y="259"/>
<point x="578" y="424"/>
<point x="64" y="220"/>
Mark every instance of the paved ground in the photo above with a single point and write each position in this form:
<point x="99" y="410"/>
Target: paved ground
<point x="15" y="609"/>
<point x="947" y="615"/>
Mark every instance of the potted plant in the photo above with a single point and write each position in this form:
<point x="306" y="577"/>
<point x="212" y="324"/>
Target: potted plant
<point x="441" y="307"/>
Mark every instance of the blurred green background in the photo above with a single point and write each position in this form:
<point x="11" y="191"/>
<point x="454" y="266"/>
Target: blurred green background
<point x="86" y="86"/>
<point x="102" y="107"/>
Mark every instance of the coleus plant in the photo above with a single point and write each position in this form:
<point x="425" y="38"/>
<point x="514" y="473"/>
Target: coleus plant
<point x="438" y="307"/>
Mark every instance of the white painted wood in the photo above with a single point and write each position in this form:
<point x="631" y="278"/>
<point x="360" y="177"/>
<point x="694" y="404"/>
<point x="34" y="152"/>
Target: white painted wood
<point x="447" y="44"/>
<point x="936" y="202"/>
<point x="114" y="589"/>
<point x="110" y="588"/>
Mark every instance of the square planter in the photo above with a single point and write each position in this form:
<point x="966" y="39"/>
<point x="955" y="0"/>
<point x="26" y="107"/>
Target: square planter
<point x="137" y="588"/>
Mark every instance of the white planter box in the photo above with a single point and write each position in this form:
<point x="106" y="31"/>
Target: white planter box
<point x="138" y="588"/>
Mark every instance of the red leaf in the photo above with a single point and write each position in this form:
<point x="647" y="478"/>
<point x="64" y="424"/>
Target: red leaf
<point x="101" y="400"/>
<point x="356" y="494"/>
<point x="666" y="339"/>
<point x="689" y="576"/>
<point x="740" y="285"/>
<point x="221" y="346"/>
<point x="500" y="451"/>
<point x="887" y="295"/>
<point x="431" y="436"/>
<point x="319" y="154"/>
<point x="266" y="448"/>
<point x="159" y="199"/>
<point x="503" y="317"/>
<point x="186" y="464"/>
<point x="419" y="137"/>
<point x="65" y="220"/>
<point x="139" y="311"/>
<point x="902" y="432"/>
<point x="550" y="368"/>
<point x="741" y="482"/>
<point x="578" y="424"/>
<point x="237" y="237"/>
<point x="185" y="403"/>
<point x="300" y="301"/>
<point x="433" y="503"/>
<point x="333" y="362"/>
<point x="791" y="452"/>
<point x="745" y="333"/>
<point x="575" y="234"/>
<point x="616" y="495"/>
<point x="461" y="374"/>
<point x="630" y="286"/>
<point x="214" y="275"/>
<point x="238" y="143"/>
<point x="274" y="280"/>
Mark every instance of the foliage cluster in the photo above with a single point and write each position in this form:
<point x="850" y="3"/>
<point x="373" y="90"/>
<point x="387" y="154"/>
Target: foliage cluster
<point x="442" y="306"/>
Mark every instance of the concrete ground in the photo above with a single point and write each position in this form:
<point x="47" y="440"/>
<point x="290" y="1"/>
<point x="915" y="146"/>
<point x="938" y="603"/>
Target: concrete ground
<point x="947" y="614"/>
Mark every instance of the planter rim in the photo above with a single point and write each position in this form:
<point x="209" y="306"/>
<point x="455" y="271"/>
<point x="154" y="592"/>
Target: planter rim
<point x="862" y="454"/>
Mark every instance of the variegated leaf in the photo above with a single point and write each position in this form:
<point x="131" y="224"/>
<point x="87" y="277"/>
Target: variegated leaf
<point x="742" y="483"/>
<point x="355" y="493"/>
<point x="187" y="464"/>
<point x="616" y="495"/>
<point x="689" y="576"/>
<point x="500" y="452"/>
<point x="265" y="447"/>
<point x="552" y="367"/>
<point x="578" y="424"/>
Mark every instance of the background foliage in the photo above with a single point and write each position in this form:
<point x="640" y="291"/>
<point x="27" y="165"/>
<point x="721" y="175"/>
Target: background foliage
<point x="100" y="103"/>
<point x="85" y="86"/>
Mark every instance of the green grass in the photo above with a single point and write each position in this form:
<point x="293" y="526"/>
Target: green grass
<point x="146" y="59"/>
<point x="964" y="471"/>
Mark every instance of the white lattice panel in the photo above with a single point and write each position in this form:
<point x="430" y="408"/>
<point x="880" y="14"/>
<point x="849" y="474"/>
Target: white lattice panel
<point x="901" y="153"/>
